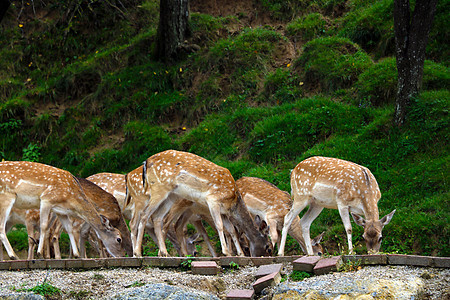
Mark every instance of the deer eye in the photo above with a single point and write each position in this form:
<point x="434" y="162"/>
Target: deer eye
<point x="119" y="240"/>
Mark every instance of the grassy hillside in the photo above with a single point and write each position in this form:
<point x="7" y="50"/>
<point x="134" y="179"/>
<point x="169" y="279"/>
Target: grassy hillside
<point x="263" y="85"/>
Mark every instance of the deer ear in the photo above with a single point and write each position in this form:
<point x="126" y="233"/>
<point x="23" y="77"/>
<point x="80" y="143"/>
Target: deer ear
<point x="317" y="239"/>
<point x="261" y="224"/>
<point x="387" y="218"/>
<point x="358" y="219"/>
<point x="105" y="222"/>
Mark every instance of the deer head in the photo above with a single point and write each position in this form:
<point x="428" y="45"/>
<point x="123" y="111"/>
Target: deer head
<point x="372" y="230"/>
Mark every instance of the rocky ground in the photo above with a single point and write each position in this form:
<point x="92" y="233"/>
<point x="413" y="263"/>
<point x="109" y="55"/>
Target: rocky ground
<point x="370" y="282"/>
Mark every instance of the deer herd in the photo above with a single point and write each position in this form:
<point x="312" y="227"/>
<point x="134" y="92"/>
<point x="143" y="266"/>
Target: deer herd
<point x="171" y="189"/>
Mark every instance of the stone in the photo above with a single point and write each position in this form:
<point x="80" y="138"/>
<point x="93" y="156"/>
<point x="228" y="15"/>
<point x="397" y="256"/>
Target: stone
<point x="264" y="260"/>
<point x="441" y="262"/>
<point x="265" y="281"/>
<point x="204" y="267"/>
<point x="225" y="261"/>
<point x="305" y="263"/>
<point x="240" y="294"/>
<point x="327" y="265"/>
<point x="376" y="259"/>
<point x="410" y="260"/>
<point x="37" y="264"/>
<point x="56" y="264"/>
<point x="268" y="269"/>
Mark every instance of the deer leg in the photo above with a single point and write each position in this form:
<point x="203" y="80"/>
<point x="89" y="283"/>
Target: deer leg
<point x="157" y="218"/>
<point x="232" y="231"/>
<point x="134" y="224"/>
<point x="297" y="206"/>
<point x="44" y="213"/>
<point x="201" y="229"/>
<point x="6" y="203"/>
<point x="344" y="213"/>
<point x="57" y="228"/>
<point x="84" y="235"/>
<point x="180" y="226"/>
<point x="313" y="211"/>
<point x="217" y="217"/>
<point x="32" y="239"/>
<point x="68" y="226"/>
<point x="273" y="231"/>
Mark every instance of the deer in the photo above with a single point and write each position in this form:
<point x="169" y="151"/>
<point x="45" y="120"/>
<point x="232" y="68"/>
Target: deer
<point x="336" y="184"/>
<point x="266" y="200"/>
<point x="137" y="202"/>
<point x="116" y="184"/>
<point x="107" y="205"/>
<point x="32" y="185"/>
<point x="172" y="175"/>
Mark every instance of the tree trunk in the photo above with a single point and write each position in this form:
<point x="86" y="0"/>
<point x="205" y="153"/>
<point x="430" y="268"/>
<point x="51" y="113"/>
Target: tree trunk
<point x="4" y="5"/>
<point x="411" y="38"/>
<point x="172" y="29"/>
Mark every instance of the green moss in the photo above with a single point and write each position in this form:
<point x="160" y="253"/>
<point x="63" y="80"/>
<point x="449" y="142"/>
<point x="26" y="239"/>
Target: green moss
<point x="308" y="27"/>
<point x="371" y="27"/>
<point x="332" y="63"/>
<point x="378" y="84"/>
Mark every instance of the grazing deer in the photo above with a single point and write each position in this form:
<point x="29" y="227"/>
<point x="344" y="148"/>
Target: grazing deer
<point x="264" y="199"/>
<point x="107" y="205"/>
<point x="30" y="185"/>
<point x="116" y="184"/>
<point x="338" y="184"/>
<point x="172" y="175"/>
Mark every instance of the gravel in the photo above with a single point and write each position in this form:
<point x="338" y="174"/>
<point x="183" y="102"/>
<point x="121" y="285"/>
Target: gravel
<point x="128" y="283"/>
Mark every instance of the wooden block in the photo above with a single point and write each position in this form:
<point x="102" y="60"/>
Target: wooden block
<point x="56" y="264"/>
<point x="5" y="264"/>
<point x="93" y="263"/>
<point x="265" y="281"/>
<point x="19" y="264"/>
<point x="268" y="269"/>
<point x="264" y="260"/>
<point x="37" y="264"/>
<point x="441" y="262"/>
<point x="240" y="295"/>
<point x="327" y="265"/>
<point x="305" y="263"/>
<point x="74" y="263"/>
<point x="366" y="259"/>
<point x="225" y="261"/>
<point x="204" y="267"/>
<point x="410" y="260"/>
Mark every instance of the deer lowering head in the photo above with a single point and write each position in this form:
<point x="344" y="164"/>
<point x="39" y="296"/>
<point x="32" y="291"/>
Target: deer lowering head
<point x="337" y="184"/>
<point x="107" y="205"/>
<point x="29" y="185"/>
<point x="115" y="185"/>
<point x="172" y="175"/>
<point x="266" y="201"/>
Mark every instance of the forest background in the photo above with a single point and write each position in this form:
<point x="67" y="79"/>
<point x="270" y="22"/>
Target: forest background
<point x="259" y="86"/>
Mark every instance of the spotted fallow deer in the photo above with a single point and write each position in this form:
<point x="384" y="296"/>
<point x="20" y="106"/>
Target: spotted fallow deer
<point x="116" y="184"/>
<point x="170" y="176"/>
<point x="337" y="184"/>
<point x="107" y="205"/>
<point x="30" y="185"/>
<point x="264" y="199"/>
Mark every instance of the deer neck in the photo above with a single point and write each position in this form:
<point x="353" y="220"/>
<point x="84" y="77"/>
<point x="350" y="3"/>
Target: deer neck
<point x="370" y="201"/>
<point x="242" y="218"/>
